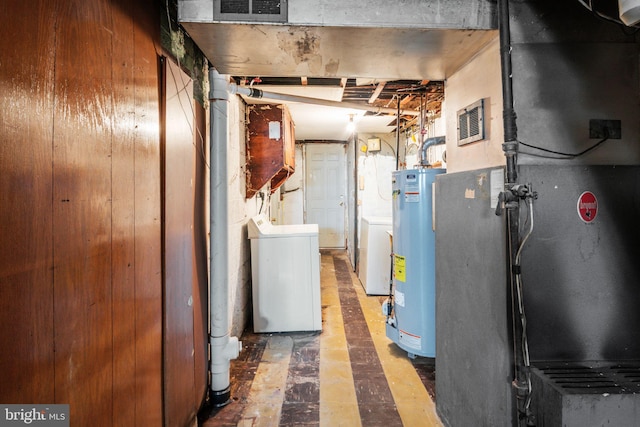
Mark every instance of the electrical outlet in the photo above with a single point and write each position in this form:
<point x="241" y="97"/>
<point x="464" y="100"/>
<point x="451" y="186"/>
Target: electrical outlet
<point x="599" y="129"/>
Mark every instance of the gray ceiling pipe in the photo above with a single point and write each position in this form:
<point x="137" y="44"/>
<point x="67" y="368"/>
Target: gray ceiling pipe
<point x="223" y="347"/>
<point x="259" y="94"/>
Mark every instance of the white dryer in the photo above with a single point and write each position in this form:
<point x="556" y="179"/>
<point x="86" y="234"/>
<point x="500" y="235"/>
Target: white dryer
<point x="375" y="255"/>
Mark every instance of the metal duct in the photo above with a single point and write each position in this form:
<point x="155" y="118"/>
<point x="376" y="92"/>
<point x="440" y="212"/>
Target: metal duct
<point x="423" y="162"/>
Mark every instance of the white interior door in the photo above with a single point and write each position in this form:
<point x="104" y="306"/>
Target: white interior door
<point x="325" y="181"/>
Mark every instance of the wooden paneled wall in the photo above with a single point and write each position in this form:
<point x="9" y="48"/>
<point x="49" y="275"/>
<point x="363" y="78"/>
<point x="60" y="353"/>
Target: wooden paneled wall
<point x="80" y="209"/>
<point x="185" y="275"/>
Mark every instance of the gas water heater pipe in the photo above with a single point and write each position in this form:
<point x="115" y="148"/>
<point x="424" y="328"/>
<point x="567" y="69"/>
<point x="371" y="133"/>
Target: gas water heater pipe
<point x="429" y="142"/>
<point x="398" y="133"/>
<point x="223" y="348"/>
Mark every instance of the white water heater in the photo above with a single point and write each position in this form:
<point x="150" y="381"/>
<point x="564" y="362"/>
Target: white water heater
<point x="411" y="321"/>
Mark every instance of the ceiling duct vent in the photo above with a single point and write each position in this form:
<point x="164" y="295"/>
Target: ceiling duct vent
<point x="250" y="10"/>
<point x="471" y="123"/>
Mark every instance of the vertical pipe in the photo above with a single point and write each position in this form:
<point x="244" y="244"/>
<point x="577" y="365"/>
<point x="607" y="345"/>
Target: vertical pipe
<point x="510" y="145"/>
<point x="356" y="252"/>
<point x="398" y="134"/>
<point x="510" y="148"/>
<point x="223" y="347"/>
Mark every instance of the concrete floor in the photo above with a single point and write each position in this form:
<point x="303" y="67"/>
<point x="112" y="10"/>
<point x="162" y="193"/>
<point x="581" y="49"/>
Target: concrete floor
<point x="350" y="374"/>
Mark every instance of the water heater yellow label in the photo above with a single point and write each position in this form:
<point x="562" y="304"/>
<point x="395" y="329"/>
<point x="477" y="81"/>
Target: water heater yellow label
<point x="399" y="268"/>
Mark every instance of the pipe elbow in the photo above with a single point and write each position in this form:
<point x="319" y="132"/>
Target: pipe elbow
<point x="425" y="145"/>
<point x="233" y="348"/>
<point x="224" y="349"/>
<point x="218" y="85"/>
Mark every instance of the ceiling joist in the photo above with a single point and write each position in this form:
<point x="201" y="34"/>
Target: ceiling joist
<point x="376" y="92"/>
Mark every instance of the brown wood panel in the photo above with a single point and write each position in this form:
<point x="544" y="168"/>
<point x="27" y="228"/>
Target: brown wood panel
<point x="179" y="261"/>
<point x="200" y="291"/>
<point x="26" y="274"/>
<point x="148" y="265"/>
<point x="82" y="211"/>
<point x="123" y="218"/>
<point x="268" y="153"/>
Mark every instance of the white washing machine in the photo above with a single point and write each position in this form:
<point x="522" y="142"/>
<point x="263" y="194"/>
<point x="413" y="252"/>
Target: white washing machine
<point x="375" y="255"/>
<point x="285" y="271"/>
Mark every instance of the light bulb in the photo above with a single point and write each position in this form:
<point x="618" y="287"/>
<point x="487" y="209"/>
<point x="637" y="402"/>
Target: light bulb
<point x="351" y="126"/>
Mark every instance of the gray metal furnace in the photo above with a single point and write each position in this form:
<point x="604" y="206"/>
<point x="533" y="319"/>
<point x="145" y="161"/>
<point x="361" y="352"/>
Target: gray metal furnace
<point x="581" y="285"/>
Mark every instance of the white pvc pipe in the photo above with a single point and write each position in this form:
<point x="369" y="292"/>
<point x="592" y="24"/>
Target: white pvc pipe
<point x="259" y="94"/>
<point x="223" y="347"/>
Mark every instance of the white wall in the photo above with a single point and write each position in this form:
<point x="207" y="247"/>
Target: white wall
<point x="240" y="211"/>
<point x="287" y="203"/>
<point x="478" y="79"/>
<point x="374" y="176"/>
<point x="410" y="145"/>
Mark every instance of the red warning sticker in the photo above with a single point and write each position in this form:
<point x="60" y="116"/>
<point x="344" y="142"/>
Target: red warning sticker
<point x="587" y="206"/>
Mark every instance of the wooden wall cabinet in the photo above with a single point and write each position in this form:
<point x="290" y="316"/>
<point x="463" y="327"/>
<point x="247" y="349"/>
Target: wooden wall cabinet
<point x="270" y="146"/>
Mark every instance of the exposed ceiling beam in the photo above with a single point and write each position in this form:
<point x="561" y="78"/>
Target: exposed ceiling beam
<point x="259" y="94"/>
<point x="376" y="92"/>
<point x="343" y="85"/>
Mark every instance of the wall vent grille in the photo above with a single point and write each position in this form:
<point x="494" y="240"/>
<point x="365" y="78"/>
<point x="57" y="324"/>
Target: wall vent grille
<point x="471" y="123"/>
<point x="250" y="10"/>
